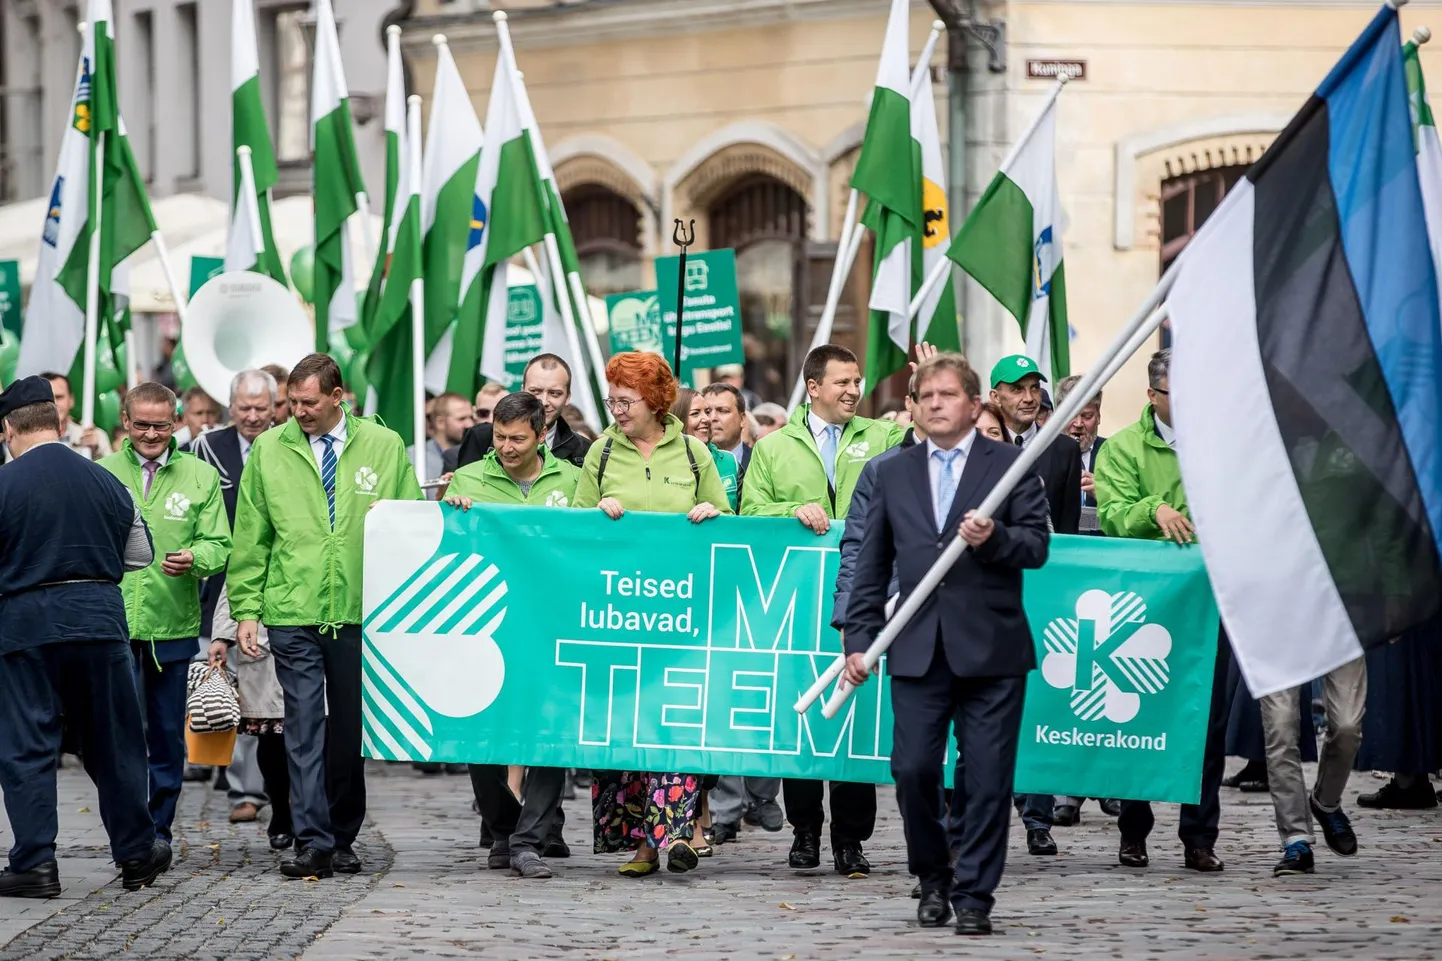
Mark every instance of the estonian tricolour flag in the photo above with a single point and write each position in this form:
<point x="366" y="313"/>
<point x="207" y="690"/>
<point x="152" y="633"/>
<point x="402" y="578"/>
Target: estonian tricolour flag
<point x="1307" y="382"/>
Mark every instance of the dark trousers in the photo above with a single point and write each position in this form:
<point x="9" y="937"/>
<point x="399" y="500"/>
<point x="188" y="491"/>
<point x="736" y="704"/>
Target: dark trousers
<point x="853" y="809"/>
<point x="275" y="772"/>
<point x="1198" y="827"/>
<point x="92" y="685"/>
<point x="160" y="679"/>
<point x="327" y="773"/>
<point x="520" y="825"/>
<point x="1037" y="810"/>
<point x="986" y="714"/>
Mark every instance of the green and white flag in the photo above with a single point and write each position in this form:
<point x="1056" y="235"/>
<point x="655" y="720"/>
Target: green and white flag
<point x="336" y="184"/>
<point x="389" y="369"/>
<point x="448" y="207"/>
<point x="249" y="129"/>
<point x="586" y="392"/>
<point x="888" y="172"/>
<point x="936" y="321"/>
<point x="395" y="198"/>
<point x="122" y="208"/>
<point x="1429" y="151"/>
<point x="508" y="216"/>
<point x="1011" y="245"/>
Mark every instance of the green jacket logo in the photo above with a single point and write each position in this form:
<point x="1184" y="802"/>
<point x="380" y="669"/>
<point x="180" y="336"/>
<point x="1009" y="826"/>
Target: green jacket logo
<point x="366" y="480"/>
<point x="859" y="450"/>
<point x="176" y="505"/>
<point x="557" y="499"/>
<point x="1108" y="656"/>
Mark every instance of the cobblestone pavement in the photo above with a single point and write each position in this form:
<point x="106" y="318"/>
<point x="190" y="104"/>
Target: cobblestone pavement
<point x="430" y="895"/>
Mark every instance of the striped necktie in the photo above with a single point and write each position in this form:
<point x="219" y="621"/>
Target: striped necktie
<point x="327" y="474"/>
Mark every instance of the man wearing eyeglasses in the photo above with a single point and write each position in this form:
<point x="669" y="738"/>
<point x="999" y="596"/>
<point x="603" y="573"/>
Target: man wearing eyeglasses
<point x="548" y="379"/>
<point x="181" y="501"/>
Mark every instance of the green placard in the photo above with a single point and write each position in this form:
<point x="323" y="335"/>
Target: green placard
<point x="634" y="320"/>
<point x="711" y="330"/>
<point x="681" y="647"/>
<point x="523" y="332"/>
<point x="202" y="269"/>
<point x="10" y="316"/>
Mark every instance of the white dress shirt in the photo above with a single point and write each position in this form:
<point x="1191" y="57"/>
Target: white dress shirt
<point x="1026" y="436"/>
<point x="1166" y="432"/>
<point x="933" y="470"/>
<point x="244" y="448"/>
<point x="318" y="447"/>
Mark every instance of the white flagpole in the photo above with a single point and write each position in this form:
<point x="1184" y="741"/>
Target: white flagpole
<point x="418" y="296"/>
<point x="162" y="254"/>
<point x="92" y="283"/>
<point x="1127" y="342"/>
<point x="849" y="243"/>
<point x="553" y="259"/>
<point x="593" y="346"/>
<point x="939" y="271"/>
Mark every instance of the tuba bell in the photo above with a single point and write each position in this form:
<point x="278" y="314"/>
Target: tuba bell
<point x="242" y="320"/>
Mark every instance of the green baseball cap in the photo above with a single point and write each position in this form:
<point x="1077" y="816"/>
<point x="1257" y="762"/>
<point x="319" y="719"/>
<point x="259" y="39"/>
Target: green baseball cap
<point x="1011" y="369"/>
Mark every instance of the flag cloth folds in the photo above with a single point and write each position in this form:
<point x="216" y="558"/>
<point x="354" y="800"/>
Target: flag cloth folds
<point x="336" y="180"/>
<point x="1306" y="382"/>
<point x="448" y="193"/>
<point x="508" y="216"/>
<point x="388" y="369"/>
<point x="936" y="321"/>
<point x="395" y="195"/>
<point x="126" y="221"/>
<point x="888" y="172"/>
<point x="1011" y="245"/>
<point x="1429" y="151"/>
<point x="248" y="128"/>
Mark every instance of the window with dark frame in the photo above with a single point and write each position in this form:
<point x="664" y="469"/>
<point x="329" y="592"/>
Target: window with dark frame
<point x="1187" y="201"/>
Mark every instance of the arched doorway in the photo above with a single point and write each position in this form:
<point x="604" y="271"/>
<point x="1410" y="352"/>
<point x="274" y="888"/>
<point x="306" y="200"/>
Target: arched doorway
<point x="1187" y="201"/>
<point x="765" y="221"/>
<point x="607" y="230"/>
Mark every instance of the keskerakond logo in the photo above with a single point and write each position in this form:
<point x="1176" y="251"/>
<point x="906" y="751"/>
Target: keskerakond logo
<point x="176" y="505"/>
<point x="1108" y="656"/>
<point x="366" y="480"/>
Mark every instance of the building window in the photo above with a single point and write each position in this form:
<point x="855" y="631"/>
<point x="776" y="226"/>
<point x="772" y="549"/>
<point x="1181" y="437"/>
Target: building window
<point x="292" y="88"/>
<point x="189" y="55"/>
<point x="145" y="55"/>
<point x="606" y="228"/>
<point x="1187" y="202"/>
<point x="765" y="221"/>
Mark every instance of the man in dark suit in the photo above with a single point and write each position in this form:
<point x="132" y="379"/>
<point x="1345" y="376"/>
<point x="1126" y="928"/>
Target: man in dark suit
<point x="548" y="378"/>
<point x="964" y="657"/>
<point x="1083" y="429"/>
<point x="1016" y="388"/>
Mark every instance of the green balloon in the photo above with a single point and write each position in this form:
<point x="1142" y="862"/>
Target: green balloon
<point x="180" y="370"/>
<point x="302" y="273"/>
<point x="9" y="355"/>
<point x="107" y="411"/>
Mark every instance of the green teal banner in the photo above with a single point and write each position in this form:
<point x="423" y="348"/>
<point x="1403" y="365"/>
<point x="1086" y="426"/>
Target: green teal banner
<point x="10" y="316"/>
<point x="711" y="331"/>
<point x="523" y="331"/>
<point x="202" y="269"/>
<point x="558" y="637"/>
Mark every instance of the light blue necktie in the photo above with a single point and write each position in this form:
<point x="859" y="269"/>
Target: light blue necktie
<point x="327" y="474"/>
<point x="828" y="452"/>
<point x="945" y="484"/>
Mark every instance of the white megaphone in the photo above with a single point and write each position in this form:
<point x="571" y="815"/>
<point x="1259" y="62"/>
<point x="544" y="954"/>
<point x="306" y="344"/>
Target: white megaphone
<point x="242" y="320"/>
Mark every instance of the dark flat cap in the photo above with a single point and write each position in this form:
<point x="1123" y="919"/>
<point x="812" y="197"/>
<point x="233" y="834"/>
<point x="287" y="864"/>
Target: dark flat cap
<point x="24" y="392"/>
<point x="1046" y="400"/>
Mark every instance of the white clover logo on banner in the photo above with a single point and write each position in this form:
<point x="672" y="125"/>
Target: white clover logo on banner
<point x="366" y="480"/>
<point x="1108" y="655"/>
<point x="176" y="505"/>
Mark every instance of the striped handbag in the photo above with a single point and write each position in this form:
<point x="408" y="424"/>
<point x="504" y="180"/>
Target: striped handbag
<point x="212" y="700"/>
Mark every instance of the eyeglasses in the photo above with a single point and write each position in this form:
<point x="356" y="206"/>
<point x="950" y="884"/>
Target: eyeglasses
<point x="619" y="405"/>
<point x="146" y="428"/>
<point x="1161" y="390"/>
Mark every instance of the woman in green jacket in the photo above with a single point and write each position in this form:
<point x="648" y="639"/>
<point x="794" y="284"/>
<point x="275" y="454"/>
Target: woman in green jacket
<point x="646" y="462"/>
<point x="690" y="409"/>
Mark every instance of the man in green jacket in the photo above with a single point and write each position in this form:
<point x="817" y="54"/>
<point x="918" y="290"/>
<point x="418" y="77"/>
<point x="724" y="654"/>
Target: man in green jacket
<point x="180" y="499"/>
<point x="299" y="528"/>
<point x="519" y="470"/>
<point x="807" y="470"/>
<point x="1138" y="484"/>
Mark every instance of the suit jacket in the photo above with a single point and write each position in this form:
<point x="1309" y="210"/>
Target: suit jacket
<point x="1059" y="468"/>
<point x="856" y="527"/>
<point x="976" y="612"/>
<point x="221" y="450"/>
<point x="1089" y="464"/>
<point x="477" y="442"/>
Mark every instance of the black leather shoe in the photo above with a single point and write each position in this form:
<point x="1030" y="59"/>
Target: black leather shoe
<point x="344" y="860"/>
<point x="1111" y="807"/>
<point x="1415" y="798"/>
<point x="973" y="922"/>
<point x="280" y="842"/>
<point x="556" y="848"/>
<point x="1040" y="842"/>
<point x="195" y="774"/>
<point x="1202" y="859"/>
<point x="309" y="863"/>
<point x="1133" y="854"/>
<point x="934" y="910"/>
<point x="41" y="881"/>
<point x="849" y="861"/>
<point x="723" y="833"/>
<point x="1255" y="786"/>
<point x="1066" y="815"/>
<point x="500" y="857"/>
<point x="1252" y="771"/>
<point x="135" y="875"/>
<point x="1336" y="828"/>
<point x="805" y="852"/>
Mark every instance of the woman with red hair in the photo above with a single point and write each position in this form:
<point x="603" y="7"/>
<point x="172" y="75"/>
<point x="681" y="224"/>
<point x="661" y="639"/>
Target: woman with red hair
<point x="646" y="462"/>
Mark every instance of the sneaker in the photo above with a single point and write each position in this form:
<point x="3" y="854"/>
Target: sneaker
<point x="528" y="864"/>
<point x="1296" y="859"/>
<point x="1336" y="829"/>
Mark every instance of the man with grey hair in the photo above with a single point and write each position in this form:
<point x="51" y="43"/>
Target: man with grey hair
<point x="253" y="395"/>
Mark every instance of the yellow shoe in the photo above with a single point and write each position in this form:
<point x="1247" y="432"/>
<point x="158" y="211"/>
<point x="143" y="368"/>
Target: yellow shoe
<point x="638" y="869"/>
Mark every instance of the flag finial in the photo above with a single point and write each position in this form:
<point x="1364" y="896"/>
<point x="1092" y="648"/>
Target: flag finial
<point x="394" y="30"/>
<point x="1421" y="35"/>
<point x="439" y="40"/>
<point x="938" y="25"/>
<point x="499" y="16"/>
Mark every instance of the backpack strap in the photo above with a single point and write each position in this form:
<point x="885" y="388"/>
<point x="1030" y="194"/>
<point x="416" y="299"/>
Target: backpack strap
<point x="601" y="468"/>
<point x="695" y="470"/>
